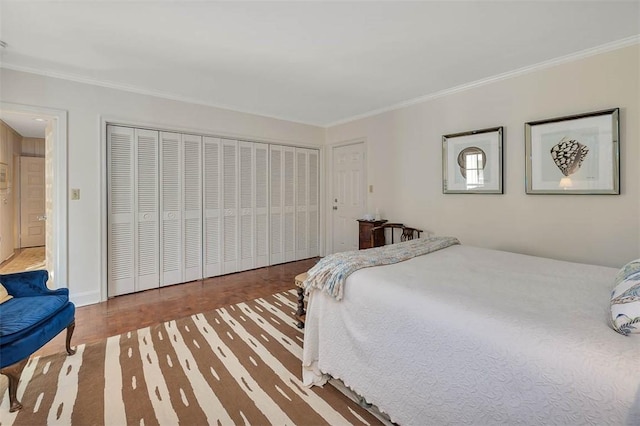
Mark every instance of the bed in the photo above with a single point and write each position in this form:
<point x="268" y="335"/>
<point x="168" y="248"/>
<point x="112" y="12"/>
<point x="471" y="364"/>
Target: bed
<point x="467" y="335"/>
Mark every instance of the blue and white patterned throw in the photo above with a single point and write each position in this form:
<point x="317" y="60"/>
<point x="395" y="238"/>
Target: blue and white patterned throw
<point x="625" y="300"/>
<point x="330" y="273"/>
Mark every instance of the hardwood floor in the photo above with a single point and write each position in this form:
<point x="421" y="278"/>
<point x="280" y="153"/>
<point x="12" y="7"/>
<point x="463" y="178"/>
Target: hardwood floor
<point x="130" y="312"/>
<point x="25" y="259"/>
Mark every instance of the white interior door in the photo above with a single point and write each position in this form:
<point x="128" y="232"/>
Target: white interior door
<point x="289" y="205"/>
<point x="172" y="241"/>
<point x="147" y="210"/>
<point x="230" y="206"/>
<point x="32" y="202"/>
<point x="120" y="215"/>
<point x="133" y="219"/>
<point x="302" y="180"/>
<point x="212" y="183"/>
<point x="261" y="205"/>
<point x="276" y="235"/>
<point x="348" y="195"/>
<point x="192" y="206"/>
<point x="247" y="205"/>
<point x="313" y="215"/>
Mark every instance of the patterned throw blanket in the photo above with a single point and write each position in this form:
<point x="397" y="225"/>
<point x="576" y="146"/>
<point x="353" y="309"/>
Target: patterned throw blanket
<point x="330" y="273"/>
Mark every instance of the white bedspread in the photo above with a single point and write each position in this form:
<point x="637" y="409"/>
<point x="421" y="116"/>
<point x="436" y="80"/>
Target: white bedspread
<point x="477" y="336"/>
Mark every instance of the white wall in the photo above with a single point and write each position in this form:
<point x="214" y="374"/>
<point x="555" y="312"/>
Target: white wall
<point x="87" y="106"/>
<point x="405" y="163"/>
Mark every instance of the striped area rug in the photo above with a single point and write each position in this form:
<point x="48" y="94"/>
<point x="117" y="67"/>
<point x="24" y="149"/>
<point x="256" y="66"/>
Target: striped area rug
<point x="235" y="365"/>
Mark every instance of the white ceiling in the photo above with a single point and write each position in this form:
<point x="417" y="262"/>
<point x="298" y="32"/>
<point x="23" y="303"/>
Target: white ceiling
<point x="311" y="62"/>
<point x="25" y="124"/>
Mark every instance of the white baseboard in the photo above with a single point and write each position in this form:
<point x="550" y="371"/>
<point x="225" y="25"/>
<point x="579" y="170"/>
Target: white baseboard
<point x="85" y="298"/>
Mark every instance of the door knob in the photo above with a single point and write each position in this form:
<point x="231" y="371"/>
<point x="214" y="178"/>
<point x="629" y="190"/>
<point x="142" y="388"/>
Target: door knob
<point x="42" y="218"/>
<point x="335" y="207"/>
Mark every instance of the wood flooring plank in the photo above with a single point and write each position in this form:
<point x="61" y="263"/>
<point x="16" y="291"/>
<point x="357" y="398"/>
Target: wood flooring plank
<point x="133" y="311"/>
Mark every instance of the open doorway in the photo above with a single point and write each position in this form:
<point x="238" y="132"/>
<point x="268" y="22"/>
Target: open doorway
<point x="33" y="229"/>
<point x="25" y="236"/>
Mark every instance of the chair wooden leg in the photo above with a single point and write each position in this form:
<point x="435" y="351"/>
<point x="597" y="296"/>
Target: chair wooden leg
<point x="70" y="329"/>
<point x="13" y="373"/>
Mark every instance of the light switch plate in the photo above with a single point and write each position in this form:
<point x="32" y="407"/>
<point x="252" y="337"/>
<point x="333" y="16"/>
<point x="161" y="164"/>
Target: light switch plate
<point x="75" y="193"/>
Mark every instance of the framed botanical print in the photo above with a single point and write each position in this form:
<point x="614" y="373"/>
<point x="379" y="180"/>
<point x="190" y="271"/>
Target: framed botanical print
<point x="578" y="154"/>
<point x="472" y="162"/>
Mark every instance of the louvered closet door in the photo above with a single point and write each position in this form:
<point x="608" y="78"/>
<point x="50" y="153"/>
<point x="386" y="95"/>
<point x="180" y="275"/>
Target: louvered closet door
<point x="313" y="217"/>
<point x="261" y="226"/>
<point x="192" y="206"/>
<point x="289" y="205"/>
<point x="172" y="246"/>
<point x="276" y="217"/>
<point x="212" y="181"/>
<point x="147" y="246"/>
<point x="301" y="203"/>
<point x="230" y="244"/>
<point x="247" y="205"/>
<point x="121" y="224"/>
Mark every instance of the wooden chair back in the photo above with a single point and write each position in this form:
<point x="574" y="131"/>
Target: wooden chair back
<point x="406" y="232"/>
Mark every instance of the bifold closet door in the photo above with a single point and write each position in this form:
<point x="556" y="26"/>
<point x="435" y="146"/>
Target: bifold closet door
<point x="289" y="204"/>
<point x="282" y="208"/>
<point x="171" y="207"/>
<point x="247" y="205"/>
<point x="313" y="211"/>
<point x="302" y="189"/>
<point x="181" y="205"/>
<point x="261" y="179"/>
<point x="307" y="215"/>
<point x="276" y="217"/>
<point x="192" y="206"/>
<point x="212" y="191"/>
<point x="230" y="220"/>
<point x="133" y="214"/>
<point x="294" y="201"/>
<point x="253" y="179"/>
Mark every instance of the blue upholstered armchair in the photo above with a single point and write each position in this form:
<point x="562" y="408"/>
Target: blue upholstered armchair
<point x="28" y="321"/>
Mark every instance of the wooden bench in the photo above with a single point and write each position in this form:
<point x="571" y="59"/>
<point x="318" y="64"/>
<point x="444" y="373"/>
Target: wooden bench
<point x="301" y="312"/>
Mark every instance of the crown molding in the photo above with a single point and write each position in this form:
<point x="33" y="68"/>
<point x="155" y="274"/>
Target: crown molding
<point x="619" y="44"/>
<point x="142" y="91"/>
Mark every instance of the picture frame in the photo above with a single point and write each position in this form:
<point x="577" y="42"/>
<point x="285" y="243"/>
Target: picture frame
<point x="577" y="154"/>
<point x="4" y="175"/>
<point x="472" y="162"/>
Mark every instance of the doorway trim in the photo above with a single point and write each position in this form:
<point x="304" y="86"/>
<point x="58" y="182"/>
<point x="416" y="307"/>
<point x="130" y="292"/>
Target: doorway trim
<point x="59" y="226"/>
<point x="329" y="184"/>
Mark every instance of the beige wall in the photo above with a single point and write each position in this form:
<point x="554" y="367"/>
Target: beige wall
<point x="87" y="105"/>
<point x="10" y="142"/>
<point x="405" y="157"/>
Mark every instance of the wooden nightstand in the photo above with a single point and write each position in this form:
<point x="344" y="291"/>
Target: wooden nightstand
<point x="301" y="312"/>
<point x="366" y="228"/>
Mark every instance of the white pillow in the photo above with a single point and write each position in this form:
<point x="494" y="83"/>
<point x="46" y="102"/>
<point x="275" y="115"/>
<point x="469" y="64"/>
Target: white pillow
<point x="625" y="299"/>
<point x="4" y="295"/>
